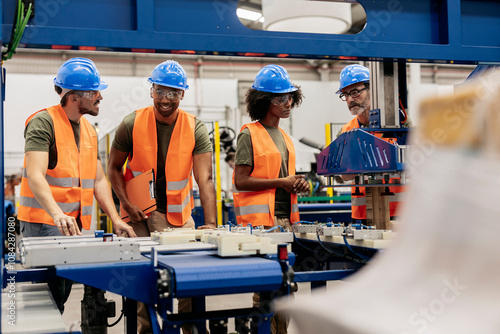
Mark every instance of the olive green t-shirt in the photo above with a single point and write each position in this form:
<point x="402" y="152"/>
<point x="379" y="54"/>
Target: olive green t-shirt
<point x="39" y="136"/>
<point x="244" y="156"/>
<point x="124" y="142"/>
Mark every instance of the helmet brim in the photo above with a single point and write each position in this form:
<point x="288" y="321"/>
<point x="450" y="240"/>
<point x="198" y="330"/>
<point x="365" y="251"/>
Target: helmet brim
<point x="355" y="83"/>
<point x="287" y="90"/>
<point x="102" y="85"/>
<point x="186" y="87"/>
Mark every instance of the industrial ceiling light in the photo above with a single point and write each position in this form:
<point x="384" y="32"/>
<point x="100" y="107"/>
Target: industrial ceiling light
<point x="307" y="16"/>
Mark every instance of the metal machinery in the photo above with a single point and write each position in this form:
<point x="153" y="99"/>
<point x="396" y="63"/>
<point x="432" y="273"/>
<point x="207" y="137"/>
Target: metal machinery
<point x="397" y="31"/>
<point x="372" y="161"/>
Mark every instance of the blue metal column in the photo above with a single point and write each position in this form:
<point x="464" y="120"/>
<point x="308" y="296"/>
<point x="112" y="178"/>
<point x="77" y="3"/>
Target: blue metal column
<point x="2" y="166"/>
<point x="2" y="196"/>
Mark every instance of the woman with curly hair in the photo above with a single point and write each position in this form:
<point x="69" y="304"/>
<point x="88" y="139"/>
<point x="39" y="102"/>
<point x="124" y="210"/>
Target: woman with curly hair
<point x="266" y="186"/>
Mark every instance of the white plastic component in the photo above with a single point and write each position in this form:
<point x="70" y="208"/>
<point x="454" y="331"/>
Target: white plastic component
<point x="366" y="234"/>
<point x="304" y="228"/>
<point x="177" y="236"/>
<point x="276" y="237"/>
<point x="57" y="253"/>
<point x="330" y="231"/>
<point x="230" y="244"/>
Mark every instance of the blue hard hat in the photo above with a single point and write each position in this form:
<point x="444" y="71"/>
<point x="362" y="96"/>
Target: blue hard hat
<point x="79" y="74"/>
<point x="171" y="74"/>
<point x="353" y="74"/>
<point x="273" y="79"/>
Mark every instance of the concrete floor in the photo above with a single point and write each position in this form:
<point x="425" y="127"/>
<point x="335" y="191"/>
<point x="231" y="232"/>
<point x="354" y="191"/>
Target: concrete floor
<point x="71" y="315"/>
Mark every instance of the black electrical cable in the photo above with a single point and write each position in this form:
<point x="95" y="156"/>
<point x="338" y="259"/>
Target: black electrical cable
<point x="301" y="245"/>
<point x="329" y="251"/>
<point x="121" y="315"/>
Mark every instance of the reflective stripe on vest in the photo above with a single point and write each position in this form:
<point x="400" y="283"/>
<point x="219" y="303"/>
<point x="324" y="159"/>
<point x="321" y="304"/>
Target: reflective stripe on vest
<point x="72" y="180"/>
<point x="358" y="200"/>
<point x="397" y="197"/>
<point x="177" y="185"/>
<point x="257" y="207"/>
<point x="33" y="203"/>
<point x="178" y="164"/>
<point x="66" y="182"/>
<point x="251" y="209"/>
<point x="179" y="208"/>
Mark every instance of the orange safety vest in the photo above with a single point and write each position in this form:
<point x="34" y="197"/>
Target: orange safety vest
<point x="358" y="201"/>
<point x="257" y="207"/>
<point x="178" y="165"/>
<point x="72" y="180"/>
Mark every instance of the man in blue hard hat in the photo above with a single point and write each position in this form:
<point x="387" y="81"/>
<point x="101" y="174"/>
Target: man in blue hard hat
<point x="62" y="172"/>
<point x="355" y="91"/>
<point x="176" y="145"/>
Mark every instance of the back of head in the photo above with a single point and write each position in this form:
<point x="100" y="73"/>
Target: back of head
<point x="353" y="74"/>
<point x="273" y="79"/>
<point x="79" y="74"/>
<point x="170" y="74"/>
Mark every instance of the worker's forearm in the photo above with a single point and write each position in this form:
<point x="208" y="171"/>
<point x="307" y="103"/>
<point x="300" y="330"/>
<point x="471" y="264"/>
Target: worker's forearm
<point x="208" y="202"/>
<point x="256" y="184"/>
<point x="104" y="198"/>
<point x="118" y="182"/>
<point x="40" y="188"/>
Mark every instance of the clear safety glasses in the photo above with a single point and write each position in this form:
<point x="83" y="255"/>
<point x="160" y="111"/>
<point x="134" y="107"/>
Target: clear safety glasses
<point x="281" y="100"/>
<point x="172" y="95"/>
<point x="88" y="94"/>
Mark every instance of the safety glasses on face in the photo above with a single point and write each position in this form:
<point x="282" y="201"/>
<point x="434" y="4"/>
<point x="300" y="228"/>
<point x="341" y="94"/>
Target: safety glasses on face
<point x="172" y="95"/>
<point x="88" y="94"/>
<point x="281" y="100"/>
<point x="353" y="93"/>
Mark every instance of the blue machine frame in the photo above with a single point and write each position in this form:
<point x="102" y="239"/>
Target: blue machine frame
<point x="456" y="31"/>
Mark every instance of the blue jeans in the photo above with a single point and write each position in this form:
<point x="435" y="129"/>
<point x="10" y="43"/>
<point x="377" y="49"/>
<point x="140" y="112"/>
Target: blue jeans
<point x="59" y="287"/>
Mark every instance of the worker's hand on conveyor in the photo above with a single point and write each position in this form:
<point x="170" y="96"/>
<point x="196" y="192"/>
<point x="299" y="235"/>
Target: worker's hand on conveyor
<point x="300" y="186"/>
<point x="135" y="213"/>
<point x="66" y="224"/>
<point x="290" y="183"/>
<point x="206" y="227"/>
<point x="122" y="229"/>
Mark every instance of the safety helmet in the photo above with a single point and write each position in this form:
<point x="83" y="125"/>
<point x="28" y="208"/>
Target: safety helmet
<point x="273" y="79"/>
<point x="79" y="74"/>
<point x="171" y="74"/>
<point x="353" y="74"/>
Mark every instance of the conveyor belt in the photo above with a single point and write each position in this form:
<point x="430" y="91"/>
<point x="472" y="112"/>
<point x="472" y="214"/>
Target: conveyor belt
<point x="203" y="273"/>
